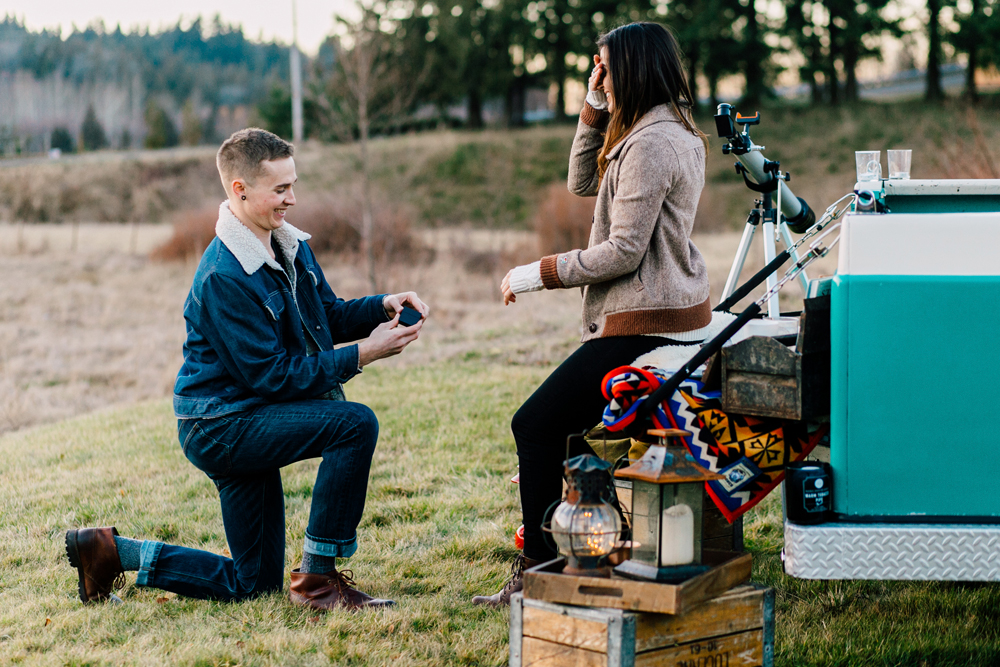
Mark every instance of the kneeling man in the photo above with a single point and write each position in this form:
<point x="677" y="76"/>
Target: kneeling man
<point x="260" y="389"/>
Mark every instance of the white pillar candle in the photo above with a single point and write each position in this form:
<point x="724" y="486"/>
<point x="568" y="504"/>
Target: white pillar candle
<point x="677" y="536"/>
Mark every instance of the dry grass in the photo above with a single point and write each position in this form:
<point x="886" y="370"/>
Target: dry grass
<point x="333" y="222"/>
<point x="107" y="187"/>
<point x="100" y="326"/>
<point x="497" y="179"/>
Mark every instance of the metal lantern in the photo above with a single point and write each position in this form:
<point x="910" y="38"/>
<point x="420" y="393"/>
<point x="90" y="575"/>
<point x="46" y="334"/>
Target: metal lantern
<point x="667" y="492"/>
<point x="585" y="527"/>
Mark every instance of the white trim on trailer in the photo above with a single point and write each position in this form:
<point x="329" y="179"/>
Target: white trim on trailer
<point x="915" y="244"/>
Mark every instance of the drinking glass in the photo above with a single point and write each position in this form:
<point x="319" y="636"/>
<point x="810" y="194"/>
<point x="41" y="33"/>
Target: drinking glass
<point x="899" y="163"/>
<point x="869" y="165"/>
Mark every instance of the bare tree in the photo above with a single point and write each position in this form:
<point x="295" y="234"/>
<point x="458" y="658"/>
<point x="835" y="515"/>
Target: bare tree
<point x="369" y="91"/>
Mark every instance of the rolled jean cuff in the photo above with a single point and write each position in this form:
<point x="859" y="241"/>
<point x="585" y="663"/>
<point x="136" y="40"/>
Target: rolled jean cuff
<point x="331" y="548"/>
<point x="149" y="552"/>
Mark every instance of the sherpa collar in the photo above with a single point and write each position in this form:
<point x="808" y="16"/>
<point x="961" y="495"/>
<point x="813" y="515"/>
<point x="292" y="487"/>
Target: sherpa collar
<point x="248" y="249"/>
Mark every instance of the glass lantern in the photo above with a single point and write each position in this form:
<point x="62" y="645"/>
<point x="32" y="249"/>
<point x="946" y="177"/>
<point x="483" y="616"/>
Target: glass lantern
<point x="585" y="526"/>
<point x="668" y="488"/>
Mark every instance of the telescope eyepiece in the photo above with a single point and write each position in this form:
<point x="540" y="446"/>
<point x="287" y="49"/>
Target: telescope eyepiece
<point x="724" y="121"/>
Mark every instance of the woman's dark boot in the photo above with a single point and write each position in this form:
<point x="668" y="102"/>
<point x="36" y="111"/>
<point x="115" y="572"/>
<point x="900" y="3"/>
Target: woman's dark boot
<point x="513" y="585"/>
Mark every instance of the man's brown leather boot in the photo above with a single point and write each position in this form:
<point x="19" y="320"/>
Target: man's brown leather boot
<point x="333" y="590"/>
<point x="513" y="585"/>
<point x="93" y="553"/>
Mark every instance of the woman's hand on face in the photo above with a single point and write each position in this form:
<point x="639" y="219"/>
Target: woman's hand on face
<point x="508" y="294"/>
<point x="387" y="340"/>
<point x="597" y="75"/>
<point x="393" y="304"/>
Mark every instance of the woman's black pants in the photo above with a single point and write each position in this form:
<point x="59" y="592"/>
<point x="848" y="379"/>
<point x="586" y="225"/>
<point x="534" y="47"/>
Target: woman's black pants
<point x="568" y="402"/>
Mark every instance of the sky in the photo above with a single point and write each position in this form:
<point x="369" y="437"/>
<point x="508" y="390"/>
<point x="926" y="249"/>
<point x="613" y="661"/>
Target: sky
<point x="267" y="20"/>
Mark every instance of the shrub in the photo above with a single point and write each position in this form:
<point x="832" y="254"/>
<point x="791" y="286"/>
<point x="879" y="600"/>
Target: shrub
<point x="335" y="225"/>
<point x="193" y="231"/>
<point x="563" y="220"/>
<point x="63" y="140"/>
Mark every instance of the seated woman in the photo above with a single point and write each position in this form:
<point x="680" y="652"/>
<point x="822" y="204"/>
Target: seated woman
<point x="644" y="282"/>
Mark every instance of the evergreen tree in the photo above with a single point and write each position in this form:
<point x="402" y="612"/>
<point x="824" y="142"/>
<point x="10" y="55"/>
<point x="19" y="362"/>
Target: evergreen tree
<point x="934" y="91"/>
<point x="160" y="130"/>
<point x="978" y="36"/>
<point x="92" y="132"/>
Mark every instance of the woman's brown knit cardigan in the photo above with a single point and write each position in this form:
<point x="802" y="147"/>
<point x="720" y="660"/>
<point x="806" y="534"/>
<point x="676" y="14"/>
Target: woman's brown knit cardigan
<point x="640" y="273"/>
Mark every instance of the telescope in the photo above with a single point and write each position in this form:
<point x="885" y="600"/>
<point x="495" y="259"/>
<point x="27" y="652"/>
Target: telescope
<point x="759" y="173"/>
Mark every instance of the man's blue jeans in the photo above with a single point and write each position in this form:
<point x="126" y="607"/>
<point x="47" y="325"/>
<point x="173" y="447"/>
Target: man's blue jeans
<point x="242" y="453"/>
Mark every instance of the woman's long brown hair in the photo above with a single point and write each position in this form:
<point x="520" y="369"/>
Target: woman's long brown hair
<point x="647" y="70"/>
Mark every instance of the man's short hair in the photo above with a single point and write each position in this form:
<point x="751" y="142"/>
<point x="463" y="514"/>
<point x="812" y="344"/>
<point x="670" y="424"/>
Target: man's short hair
<point x="242" y="154"/>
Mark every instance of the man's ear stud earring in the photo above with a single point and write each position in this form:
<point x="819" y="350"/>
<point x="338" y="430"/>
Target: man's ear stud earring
<point x="244" y="197"/>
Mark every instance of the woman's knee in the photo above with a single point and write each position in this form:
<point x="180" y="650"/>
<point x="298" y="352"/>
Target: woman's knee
<point x="529" y="427"/>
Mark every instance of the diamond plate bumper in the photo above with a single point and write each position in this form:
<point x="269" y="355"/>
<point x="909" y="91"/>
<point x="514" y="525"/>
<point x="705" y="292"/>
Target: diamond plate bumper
<point x="926" y="552"/>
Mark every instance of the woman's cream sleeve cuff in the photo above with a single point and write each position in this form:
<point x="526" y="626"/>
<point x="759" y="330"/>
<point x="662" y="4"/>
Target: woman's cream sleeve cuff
<point x="597" y="99"/>
<point x="527" y="278"/>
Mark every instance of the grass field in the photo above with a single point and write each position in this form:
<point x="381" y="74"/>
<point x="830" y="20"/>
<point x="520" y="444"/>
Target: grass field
<point x="90" y="336"/>
<point x="437" y="529"/>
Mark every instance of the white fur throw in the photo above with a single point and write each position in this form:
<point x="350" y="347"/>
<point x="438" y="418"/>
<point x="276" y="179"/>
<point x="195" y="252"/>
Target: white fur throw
<point x="672" y="357"/>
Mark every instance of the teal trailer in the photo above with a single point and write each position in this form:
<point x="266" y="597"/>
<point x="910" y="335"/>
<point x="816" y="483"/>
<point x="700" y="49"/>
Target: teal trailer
<point x="915" y="378"/>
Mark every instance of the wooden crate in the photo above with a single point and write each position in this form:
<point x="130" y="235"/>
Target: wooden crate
<point x="546" y="582"/>
<point x="764" y="378"/>
<point x="728" y="631"/>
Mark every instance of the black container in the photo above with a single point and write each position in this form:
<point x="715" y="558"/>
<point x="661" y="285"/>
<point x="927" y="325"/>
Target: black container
<point x="808" y="492"/>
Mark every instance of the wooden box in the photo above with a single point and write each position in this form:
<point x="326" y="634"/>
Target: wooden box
<point x="728" y="631"/>
<point x="763" y="377"/>
<point x="547" y="582"/>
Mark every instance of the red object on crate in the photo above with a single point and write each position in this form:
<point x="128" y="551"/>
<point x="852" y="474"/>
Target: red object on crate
<point x="519" y="538"/>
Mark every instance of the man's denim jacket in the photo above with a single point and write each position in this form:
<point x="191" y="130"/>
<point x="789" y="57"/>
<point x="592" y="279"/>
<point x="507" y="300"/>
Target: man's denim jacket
<point x="247" y="321"/>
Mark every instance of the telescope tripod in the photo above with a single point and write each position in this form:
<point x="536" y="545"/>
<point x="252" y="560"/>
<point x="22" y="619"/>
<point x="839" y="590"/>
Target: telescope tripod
<point x="764" y="213"/>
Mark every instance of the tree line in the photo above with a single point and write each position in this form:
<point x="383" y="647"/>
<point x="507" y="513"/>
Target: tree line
<point x="469" y="52"/>
<point x="181" y="77"/>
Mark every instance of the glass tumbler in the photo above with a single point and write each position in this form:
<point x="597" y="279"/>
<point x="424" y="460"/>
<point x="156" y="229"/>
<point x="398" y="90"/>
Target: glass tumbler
<point x="869" y="164"/>
<point x="899" y="163"/>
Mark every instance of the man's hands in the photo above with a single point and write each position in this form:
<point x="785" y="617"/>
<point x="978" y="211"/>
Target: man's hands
<point x="393" y="304"/>
<point x="508" y="293"/>
<point x="389" y="339"/>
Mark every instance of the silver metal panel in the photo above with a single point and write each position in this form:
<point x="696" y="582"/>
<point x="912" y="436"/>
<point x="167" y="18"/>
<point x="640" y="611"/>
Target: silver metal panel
<point x="923" y="552"/>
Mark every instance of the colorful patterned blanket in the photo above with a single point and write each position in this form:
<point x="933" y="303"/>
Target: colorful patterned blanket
<point x="750" y="452"/>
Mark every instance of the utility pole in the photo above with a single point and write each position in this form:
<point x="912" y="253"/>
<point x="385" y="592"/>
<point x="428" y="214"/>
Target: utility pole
<point x="296" y="81"/>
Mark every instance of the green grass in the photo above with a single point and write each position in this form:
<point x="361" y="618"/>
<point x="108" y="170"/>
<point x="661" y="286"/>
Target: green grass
<point x="437" y="530"/>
